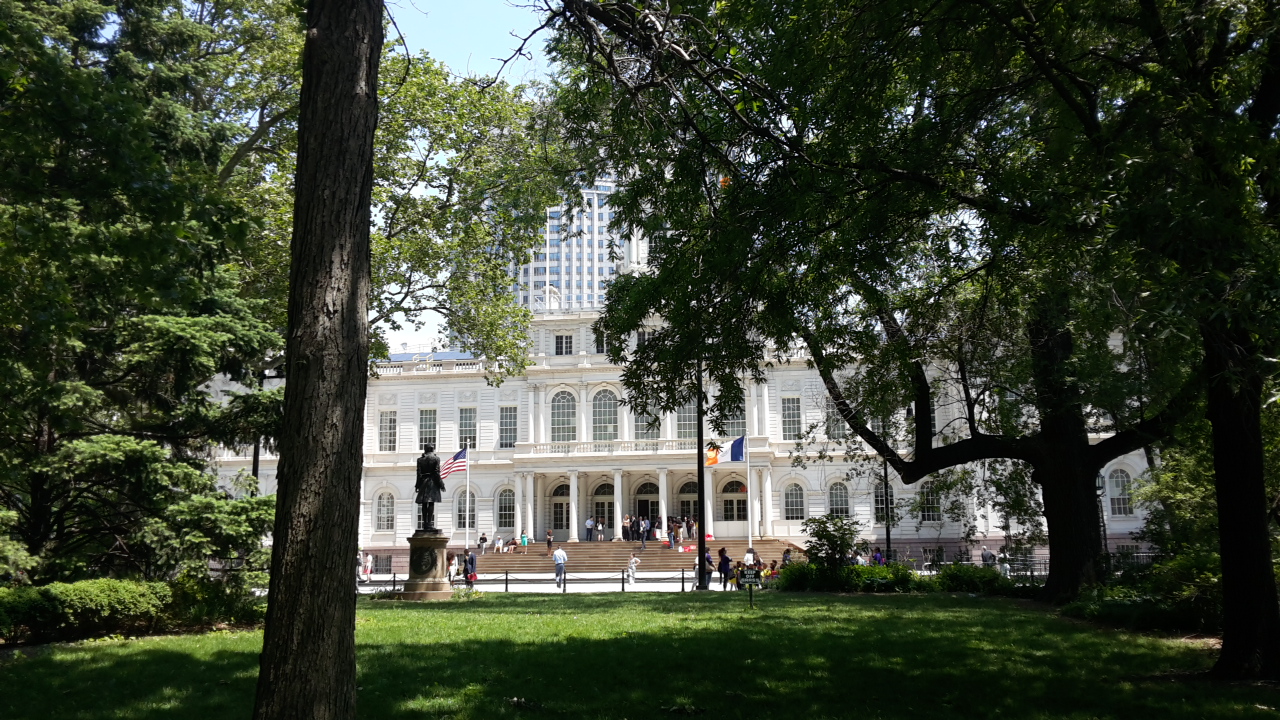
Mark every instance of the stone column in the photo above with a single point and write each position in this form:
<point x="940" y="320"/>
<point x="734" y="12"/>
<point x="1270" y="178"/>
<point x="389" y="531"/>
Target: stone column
<point x="617" y="504"/>
<point x="752" y="410"/>
<point x="526" y="480"/>
<point x="584" y="414"/>
<point x="764" y="412"/>
<point x="708" y="512"/>
<point x="662" y="496"/>
<point x="573" y="506"/>
<point x="540" y="422"/>
<point x="766" y="497"/>
<point x="518" y="479"/>
<point x="532" y="419"/>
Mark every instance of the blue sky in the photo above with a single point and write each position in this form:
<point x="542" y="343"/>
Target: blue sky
<point x="471" y="37"/>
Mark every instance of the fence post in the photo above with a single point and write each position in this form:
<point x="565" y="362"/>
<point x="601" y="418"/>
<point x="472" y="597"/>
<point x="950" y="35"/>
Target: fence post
<point x="506" y="581"/>
<point x="564" y="583"/>
<point x="681" y="579"/>
<point x="624" y="581"/>
<point x="393" y="582"/>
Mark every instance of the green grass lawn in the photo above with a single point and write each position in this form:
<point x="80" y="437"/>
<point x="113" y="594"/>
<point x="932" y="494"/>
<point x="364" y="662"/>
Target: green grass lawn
<point x="641" y="655"/>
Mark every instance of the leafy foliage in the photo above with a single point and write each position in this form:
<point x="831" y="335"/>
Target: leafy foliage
<point x="62" y="611"/>
<point x="831" y="540"/>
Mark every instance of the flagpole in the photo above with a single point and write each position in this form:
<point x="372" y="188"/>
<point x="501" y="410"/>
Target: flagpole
<point x="471" y="502"/>
<point x="746" y="455"/>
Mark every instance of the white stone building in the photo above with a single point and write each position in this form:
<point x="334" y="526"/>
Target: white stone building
<point x="553" y="447"/>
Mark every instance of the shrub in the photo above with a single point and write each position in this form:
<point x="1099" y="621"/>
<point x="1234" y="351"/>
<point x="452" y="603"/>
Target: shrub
<point x="90" y="608"/>
<point x="202" y="600"/>
<point x="801" y="577"/>
<point x="973" y="579"/>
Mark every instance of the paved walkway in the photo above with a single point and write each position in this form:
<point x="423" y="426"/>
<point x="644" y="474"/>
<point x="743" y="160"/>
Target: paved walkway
<point x="584" y="583"/>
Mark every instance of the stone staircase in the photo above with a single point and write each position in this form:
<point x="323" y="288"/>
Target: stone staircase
<point x="612" y="557"/>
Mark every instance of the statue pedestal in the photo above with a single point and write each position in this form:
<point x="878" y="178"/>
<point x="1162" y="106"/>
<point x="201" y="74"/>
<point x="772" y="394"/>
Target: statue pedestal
<point x="427" y="578"/>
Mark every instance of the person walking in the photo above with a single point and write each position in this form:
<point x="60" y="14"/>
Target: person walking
<point x="671" y="532"/>
<point x="725" y="568"/>
<point x="631" y="569"/>
<point x="560" y="558"/>
<point x="988" y="557"/>
<point x="591" y="526"/>
<point x="548" y="543"/>
<point x="471" y="570"/>
<point x="644" y="534"/>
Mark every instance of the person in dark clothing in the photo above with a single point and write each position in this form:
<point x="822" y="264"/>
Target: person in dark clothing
<point x="725" y="568"/>
<point x="471" y="569"/>
<point x="988" y="557"/>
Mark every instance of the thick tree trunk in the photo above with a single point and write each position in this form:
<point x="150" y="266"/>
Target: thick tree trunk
<point x="1067" y="481"/>
<point x="1075" y="539"/>
<point x="1251" y="616"/>
<point x="308" y="664"/>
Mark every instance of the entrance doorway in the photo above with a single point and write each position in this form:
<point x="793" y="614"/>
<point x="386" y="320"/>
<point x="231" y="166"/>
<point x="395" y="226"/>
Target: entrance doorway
<point x="560" y="521"/>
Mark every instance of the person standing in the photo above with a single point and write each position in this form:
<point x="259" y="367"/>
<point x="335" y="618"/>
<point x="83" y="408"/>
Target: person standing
<point x="644" y="534"/>
<point x="626" y="528"/>
<point x="471" y="570"/>
<point x="548" y="543"/>
<point x="671" y="532"/>
<point x="725" y="567"/>
<point x="484" y="540"/>
<point x="631" y="569"/>
<point x="988" y="557"/>
<point x="591" y="526"/>
<point x="560" y="558"/>
<point x="877" y="558"/>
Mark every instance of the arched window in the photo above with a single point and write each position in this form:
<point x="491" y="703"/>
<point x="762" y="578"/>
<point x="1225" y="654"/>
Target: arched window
<point x="507" y="508"/>
<point x="647" y="489"/>
<point x="604" y="416"/>
<point x="466" y="510"/>
<point x="733" y="509"/>
<point x="838" y="499"/>
<point x="689" y="488"/>
<point x="384" y="512"/>
<point x="930" y="504"/>
<point x="793" y="503"/>
<point x="882" y="507"/>
<point x="1121" y="504"/>
<point x="564" y="417"/>
<point x="561" y="490"/>
<point x="734" y="486"/>
<point x="605" y="489"/>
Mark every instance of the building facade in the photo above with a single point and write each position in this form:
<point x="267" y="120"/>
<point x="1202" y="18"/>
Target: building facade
<point x="554" y="446"/>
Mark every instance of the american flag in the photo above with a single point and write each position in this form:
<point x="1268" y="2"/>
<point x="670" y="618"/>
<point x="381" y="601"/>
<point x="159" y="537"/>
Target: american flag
<point x="453" y="464"/>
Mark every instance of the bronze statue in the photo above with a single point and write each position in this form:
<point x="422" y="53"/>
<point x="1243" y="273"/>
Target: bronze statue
<point x="429" y="487"/>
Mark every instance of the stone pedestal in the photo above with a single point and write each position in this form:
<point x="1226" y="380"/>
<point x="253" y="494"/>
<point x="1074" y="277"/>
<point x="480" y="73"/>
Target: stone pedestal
<point x="427" y="578"/>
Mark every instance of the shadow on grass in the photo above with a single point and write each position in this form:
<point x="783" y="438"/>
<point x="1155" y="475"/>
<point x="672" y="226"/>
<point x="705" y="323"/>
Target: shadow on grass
<point x="632" y="657"/>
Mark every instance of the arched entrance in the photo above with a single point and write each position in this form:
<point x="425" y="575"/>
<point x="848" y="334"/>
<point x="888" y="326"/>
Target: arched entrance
<point x="647" y="501"/>
<point x="560" y="512"/>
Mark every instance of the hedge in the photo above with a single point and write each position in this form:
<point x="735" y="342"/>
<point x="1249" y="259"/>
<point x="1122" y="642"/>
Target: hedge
<point x="90" y="608"/>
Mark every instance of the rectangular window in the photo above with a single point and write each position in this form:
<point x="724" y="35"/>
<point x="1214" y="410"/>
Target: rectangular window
<point x="642" y="337"/>
<point x="1121" y="506"/>
<point x="381" y="565"/>
<point x="507" y="426"/>
<point x="735" y="509"/>
<point x="426" y="428"/>
<point x="930" y="505"/>
<point x="604" y="513"/>
<point x="736" y="425"/>
<point x="466" y="427"/>
<point x="645" y="431"/>
<point x="837" y="428"/>
<point x="790" y="418"/>
<point x="564" y="344"/>
<point x="387" y="431"/>
<point x="686" y="508"/>
<point x="601" y="346"/>
<point x="687" y="422"/>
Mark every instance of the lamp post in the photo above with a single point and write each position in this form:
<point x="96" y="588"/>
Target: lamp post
<point x="1102" y="513"/>
<point x="702" y="492"/>
<point x="888" y="510"/>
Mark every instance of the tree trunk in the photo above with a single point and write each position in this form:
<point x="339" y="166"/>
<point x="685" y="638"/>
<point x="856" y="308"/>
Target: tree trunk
<point x="308" y="663"/>
<point x="1075" y="539"/>
<point x="1250" y="614"/>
